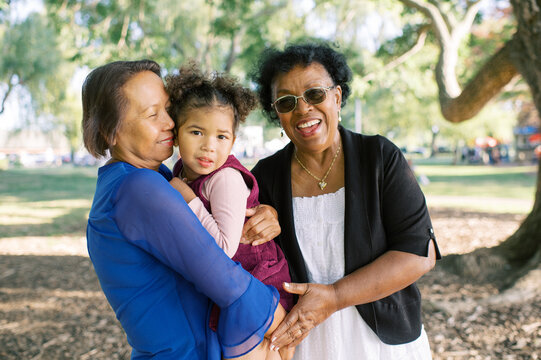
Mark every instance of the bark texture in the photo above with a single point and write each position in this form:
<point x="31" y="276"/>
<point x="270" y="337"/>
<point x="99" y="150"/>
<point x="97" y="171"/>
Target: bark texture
<point x="524" y="246"/>
<point x="522" y="250"/>
<point x="520" y="55"/>
<point x="497" y="72"/>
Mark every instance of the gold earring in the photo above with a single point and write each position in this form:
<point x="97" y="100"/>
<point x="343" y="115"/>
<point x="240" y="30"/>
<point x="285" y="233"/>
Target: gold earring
<point x="281" y="132"/>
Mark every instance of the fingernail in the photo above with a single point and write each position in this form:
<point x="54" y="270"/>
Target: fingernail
<point x="273" y="339"/>
<point x="287" y="285"/>
<point x="272" y="347"/>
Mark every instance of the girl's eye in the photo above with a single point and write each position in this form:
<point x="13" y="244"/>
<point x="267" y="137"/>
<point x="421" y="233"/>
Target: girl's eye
<point x="196" y="132"/>
<point x="222" y="137"/>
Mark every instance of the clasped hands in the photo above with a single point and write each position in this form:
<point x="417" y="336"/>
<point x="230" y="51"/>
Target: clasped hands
<point x="316" y="301"/>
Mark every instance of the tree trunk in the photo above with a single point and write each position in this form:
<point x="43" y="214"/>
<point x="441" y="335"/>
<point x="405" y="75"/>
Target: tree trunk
<point x="525" y="244"/>
<point x="518" y="256"/>
<point x="522" y="250"/>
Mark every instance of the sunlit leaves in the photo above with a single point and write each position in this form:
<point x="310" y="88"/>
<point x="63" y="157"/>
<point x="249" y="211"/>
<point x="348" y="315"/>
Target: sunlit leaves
<point x="230" y="34"/>
<point x="29" y="55"/>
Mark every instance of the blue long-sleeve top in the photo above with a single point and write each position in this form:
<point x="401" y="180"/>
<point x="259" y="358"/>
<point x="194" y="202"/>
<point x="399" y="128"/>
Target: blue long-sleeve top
<point x="160" y="269"/>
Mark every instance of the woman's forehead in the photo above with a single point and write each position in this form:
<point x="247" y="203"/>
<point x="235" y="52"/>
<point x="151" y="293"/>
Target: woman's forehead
<point x="145" y="89"/>
<point x="302" y="76"/>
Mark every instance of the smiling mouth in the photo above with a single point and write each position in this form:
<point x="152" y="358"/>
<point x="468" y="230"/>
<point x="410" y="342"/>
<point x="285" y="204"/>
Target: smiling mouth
<point x="308" y="124"/>
<point x="308" y="128"/>
<point x="168" y="141"/>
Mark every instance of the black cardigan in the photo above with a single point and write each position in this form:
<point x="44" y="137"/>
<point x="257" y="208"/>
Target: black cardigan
<point x="385" y="210"/>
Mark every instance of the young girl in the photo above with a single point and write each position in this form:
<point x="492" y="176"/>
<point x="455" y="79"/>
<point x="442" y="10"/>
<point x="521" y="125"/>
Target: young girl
<point x="207" y="110"/>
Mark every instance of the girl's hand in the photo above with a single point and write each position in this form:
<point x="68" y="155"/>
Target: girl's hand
<point x="316" y="303"/>
<point x="183" y="188"/>
<point x="262" y="226"/>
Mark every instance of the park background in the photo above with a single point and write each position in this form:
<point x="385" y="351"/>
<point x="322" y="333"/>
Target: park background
<point x="414" y="64"/>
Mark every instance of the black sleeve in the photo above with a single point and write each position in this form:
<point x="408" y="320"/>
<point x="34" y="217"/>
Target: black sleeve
<point x="405" y="215"/>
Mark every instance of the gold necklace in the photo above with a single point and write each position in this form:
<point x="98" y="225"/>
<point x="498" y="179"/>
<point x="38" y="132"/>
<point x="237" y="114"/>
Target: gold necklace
<point x="321" y="182"/>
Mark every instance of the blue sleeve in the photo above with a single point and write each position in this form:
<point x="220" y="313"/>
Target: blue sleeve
<point x="166" y="173"/>
<point x="155" y="217"/>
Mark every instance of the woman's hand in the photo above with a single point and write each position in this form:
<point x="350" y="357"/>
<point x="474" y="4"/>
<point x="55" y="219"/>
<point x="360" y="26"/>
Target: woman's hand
<point x="316" y="303"/>
<point x="262" y="225"/>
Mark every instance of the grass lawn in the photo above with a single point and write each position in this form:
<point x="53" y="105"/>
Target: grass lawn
<point x="505" y="188"/>
<point x="55" y="202"/>
<point x="45" y="202"/>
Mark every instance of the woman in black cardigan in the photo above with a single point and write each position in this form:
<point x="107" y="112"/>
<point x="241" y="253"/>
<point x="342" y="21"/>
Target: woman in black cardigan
<point x="355" y="228"/>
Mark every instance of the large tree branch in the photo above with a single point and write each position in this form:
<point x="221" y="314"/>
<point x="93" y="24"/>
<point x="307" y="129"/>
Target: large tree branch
<point x="449" y="37"/>
<point x="433" y="13"/>
<point x="447" y="15"/>
<point x="526" y="55"/>
<point x="402" y="58"/>
<point x="493" y="76"/>
<point x="465" y="25"/>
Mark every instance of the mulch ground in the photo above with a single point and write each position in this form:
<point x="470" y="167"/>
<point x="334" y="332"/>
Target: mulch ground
<point x="51" y="305"/>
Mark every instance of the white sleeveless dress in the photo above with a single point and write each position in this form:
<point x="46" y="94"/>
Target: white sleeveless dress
<point x="319" y="226"/>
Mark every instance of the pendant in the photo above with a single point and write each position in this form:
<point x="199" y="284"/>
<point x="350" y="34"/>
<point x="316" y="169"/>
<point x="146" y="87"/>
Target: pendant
<point x="322" y="184"/>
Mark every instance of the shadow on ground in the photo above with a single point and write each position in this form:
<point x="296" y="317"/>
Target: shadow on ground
<point x="51" y="307"/>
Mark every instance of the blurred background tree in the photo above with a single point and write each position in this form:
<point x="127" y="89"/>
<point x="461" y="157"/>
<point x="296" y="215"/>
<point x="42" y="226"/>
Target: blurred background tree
<point x="29" y="58"/>
<point x="421" y="67"/>
<point x="391" y="96"/>
<point x="514" y="53"/>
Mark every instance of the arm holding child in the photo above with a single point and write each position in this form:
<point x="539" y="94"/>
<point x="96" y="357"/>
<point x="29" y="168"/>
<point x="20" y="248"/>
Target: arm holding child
<point x="228" y="193"/>
<point x="262" y="224"/>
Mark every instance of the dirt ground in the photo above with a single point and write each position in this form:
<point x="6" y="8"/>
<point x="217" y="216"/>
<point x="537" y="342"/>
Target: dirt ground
<point x="51" y="306"/>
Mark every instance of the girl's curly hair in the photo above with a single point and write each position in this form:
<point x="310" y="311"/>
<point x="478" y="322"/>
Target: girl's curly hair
<point x="273" y="62"/>
<point x="191" y="88"/>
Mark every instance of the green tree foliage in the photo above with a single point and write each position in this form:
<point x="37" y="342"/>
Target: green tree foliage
<point x="406" y="97"/>
<point x="228" y="35"/>
<point x="34" y="58"/>
<point x="215" y="33"/>
<point x="29" y="58"/>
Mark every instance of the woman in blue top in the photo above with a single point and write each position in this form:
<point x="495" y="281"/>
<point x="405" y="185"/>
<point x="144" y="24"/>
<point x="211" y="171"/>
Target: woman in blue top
<point x="160" y="271"/>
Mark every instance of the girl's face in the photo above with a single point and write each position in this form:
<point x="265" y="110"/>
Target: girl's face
<point x="205" y="139"/>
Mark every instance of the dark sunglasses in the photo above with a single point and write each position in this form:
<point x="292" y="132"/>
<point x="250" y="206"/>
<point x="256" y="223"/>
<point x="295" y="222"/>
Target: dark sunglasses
<point x="312" y="96"/>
